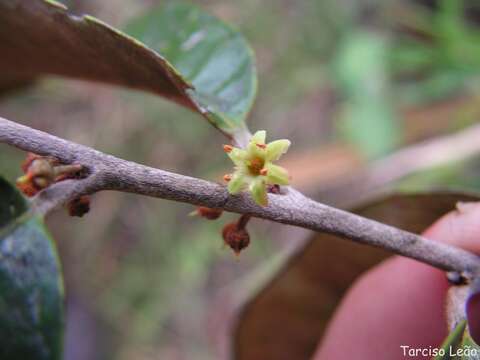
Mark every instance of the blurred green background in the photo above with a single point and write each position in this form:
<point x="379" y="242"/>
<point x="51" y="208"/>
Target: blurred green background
<point x="144" y="280"/>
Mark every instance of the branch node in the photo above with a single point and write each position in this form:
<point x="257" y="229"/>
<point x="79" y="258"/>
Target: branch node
<point x="457" y="278"/>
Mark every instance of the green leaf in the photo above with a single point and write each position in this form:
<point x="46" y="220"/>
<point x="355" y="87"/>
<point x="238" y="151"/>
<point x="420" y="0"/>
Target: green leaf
<point x="371" y="125"/>
<point x="459" y="345"/>
<point x="443" y="60"/>
<point x="12" y="204"/>
<point x="452" y="342"/>
<point x="367" y="118"/>
<point x="470" y="350"/>
<point x="42" y="37"/>
<point x="212" y="56"/>
<point x="31" y="289"/>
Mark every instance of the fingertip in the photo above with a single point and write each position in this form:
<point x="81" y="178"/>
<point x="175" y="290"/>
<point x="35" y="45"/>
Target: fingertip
<point x="399" y="302"/>
<point x="460" y="227"/>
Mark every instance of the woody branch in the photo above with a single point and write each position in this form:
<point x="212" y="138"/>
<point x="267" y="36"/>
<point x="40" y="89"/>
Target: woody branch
<point x="107" y="172"/>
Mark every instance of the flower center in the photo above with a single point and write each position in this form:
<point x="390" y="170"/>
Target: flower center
<point x="255" y="165"/>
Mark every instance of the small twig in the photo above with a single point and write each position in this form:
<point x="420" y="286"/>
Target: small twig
<point x="107" y="172"/>
<point x="243" y="221"/>
<point x="455" y="310"/>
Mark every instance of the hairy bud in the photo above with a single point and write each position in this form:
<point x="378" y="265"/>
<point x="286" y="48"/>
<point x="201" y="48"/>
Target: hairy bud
<point x="39" y="174"/>
<point x="28" y="160"/>
<point x="26" y="186"/>
<point x="274" y="189"/>
<point x="235" y="234"/>
<point x="227" y="148"/>
<point x="207" y="213"/>
<point x="42" y="171"/>
<point x="79" y="206"/>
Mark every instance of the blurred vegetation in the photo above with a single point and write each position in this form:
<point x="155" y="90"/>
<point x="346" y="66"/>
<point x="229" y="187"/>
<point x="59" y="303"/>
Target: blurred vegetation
<point x="146" y="277"/>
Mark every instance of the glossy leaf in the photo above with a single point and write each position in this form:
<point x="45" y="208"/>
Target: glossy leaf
<point x="31" y="290"/>
<point x="212" y="56"/>
<point x="42" y="37"/>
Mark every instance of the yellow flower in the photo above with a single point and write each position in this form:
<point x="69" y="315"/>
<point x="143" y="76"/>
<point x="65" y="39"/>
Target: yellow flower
<point x="254" y="168"/>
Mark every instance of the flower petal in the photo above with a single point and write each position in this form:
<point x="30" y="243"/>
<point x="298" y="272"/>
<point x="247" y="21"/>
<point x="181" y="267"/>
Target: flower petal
<point x="259" y="137"/>
<point x="276" y="148"/>
<point x="276" y="175"/>
<point x="237" y="183"/>
<point x="238" y="156"/>
<point x="258" y="188"/>
<point x="256" y="146"/>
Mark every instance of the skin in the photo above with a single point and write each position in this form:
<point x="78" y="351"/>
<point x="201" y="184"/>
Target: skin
<point x="399" y="302"/>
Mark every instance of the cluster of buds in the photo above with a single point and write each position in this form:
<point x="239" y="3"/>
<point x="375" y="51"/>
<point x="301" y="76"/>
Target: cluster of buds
<point x="42" y="171"/>
<point x="39" y="174"/>
<point x="254" y="168"/>
<point x="234" y="234"/>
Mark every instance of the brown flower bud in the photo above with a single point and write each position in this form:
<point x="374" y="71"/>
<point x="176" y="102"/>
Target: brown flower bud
<point x="207" y="213"/>
<point x="63" y="172"/>
<point x="28" y="160"/>
<point x="79" y="206"/>
<point x="41" y="173"/>
<point x="274" y="189"/>
<point x="236" y="237"/>
<point x="25" y="185"/>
